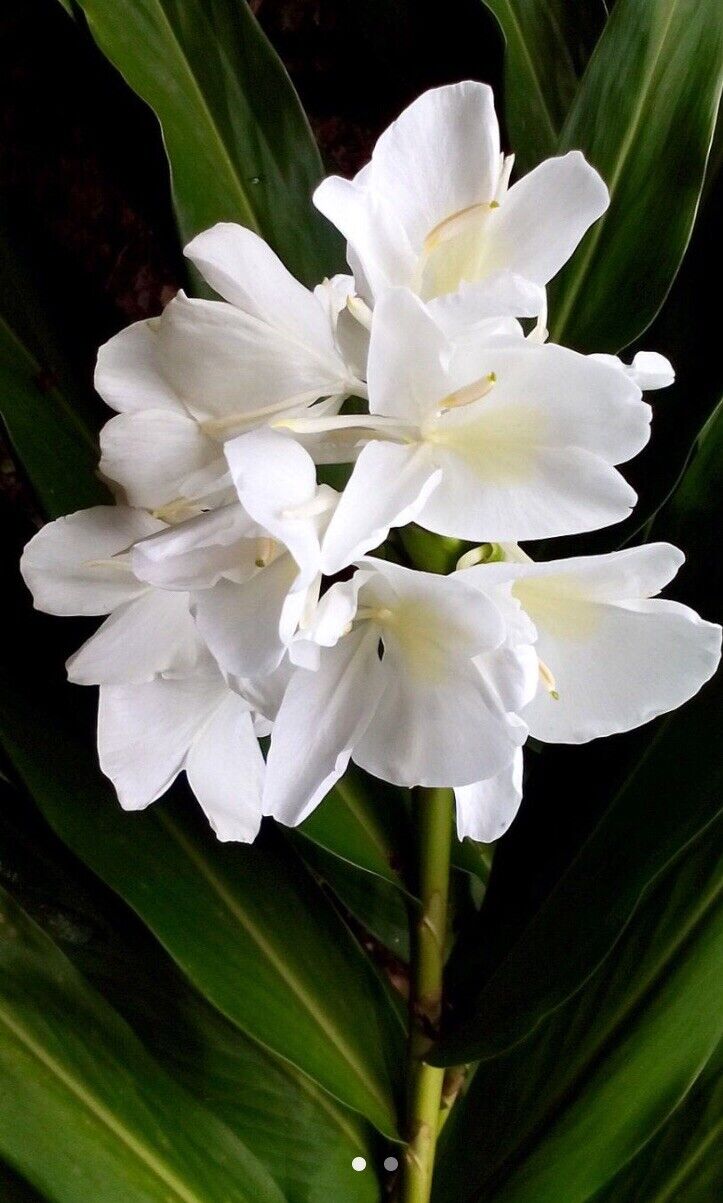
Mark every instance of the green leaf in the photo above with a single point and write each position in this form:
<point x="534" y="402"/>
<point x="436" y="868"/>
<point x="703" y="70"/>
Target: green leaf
<point x="46" y="412"/>
<point x="306" y="1140"/>
<point x="571" y="934"/>
<point x="239" y="145"/>
<point x="684" y="1160"/>
<point x="247" y="925"/>
<point x="568" y="1108"/>
<point x="86" y="1113"/>
<point x="365" y="822"/>
<point x="547" y="43"/>
<point x="647" y="128"/>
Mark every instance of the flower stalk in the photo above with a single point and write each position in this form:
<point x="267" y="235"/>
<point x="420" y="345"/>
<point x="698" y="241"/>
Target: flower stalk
<point x="434" y="824"/>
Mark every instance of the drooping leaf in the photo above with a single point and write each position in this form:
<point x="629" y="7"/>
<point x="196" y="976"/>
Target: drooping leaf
<point x="304" y="1138"/>
<point x="644" y="115"/>
<point x="547" y="43"/>
<point x="238" y="142"/>
<point x="644" y="828"/>
<point x="571" y="1105"/>
<point x="86" y="1112"/>
<point x="248" y="925"/>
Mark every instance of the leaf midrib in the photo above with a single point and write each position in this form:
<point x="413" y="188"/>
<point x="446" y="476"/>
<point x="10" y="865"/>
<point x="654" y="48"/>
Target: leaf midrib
<point x="250" y="216"/>
<point x="530" y="62"/>
<point x="595" y="235"/>
<point x="296" y="987"/>
<point x="91" y="1103"/>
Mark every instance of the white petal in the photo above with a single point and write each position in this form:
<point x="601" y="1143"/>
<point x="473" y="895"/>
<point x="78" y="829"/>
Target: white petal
<point x="152" y="634"/>
<point x="145" y="731"/>
<point x="195" y="554"/>
<point x="543" y="217"/>
<point x="128" y="375"/>
<point x="379" y="251"/>
<point x="486" y="809"/>
<point x="388" y="487"/>
<point x="244" y="270"/>
<point x="440" y="156"/>
<point x="523" y="492"/>
<point x="502" y="293"/>
<point x="406" y="374"/>
<point x="618" y="666"/>
<point x="240" y="622"/>
<point x="69" y="566"/>
<point x="626" y="575"/>
<point x="152" y="453"/>
<point x="435" y="730"/>
<point x="225" y="770"/>
<point x="226" y="364"/>
<point x="651" y="370"/>
<point x="274" y="476"/>
<point x="321" y="718"/>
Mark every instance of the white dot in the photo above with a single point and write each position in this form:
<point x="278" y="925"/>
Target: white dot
<point x="391" y="1163"/>
<point x="359" y="1164"/>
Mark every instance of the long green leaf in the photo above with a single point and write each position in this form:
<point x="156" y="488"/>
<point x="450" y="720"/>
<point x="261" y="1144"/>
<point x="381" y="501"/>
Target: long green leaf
<point x="86" y="1113"/>
<point x="547" y="44"/>
<point x="238" y="142"/>
<point x="568" y="1108"/>
<point x="247" y="925"/>
<point x="684" y="1161"/>
<point x="644" y="115"/>
<point x="306" y="1140"/>
<point x="643" y="830"/>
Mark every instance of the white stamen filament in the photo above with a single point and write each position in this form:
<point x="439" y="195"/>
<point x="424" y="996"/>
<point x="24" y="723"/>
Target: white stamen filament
<point x="360" y="311"/>
<point x="317" y="505"/>
<point x="469" y="393"/>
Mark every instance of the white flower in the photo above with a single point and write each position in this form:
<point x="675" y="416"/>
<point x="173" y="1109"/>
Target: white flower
<point x="612" y="655"/>
<point x="149" y="733"/>
<point x="401" y="677"/>
<point x="252" y="567"/>
<point x="81" y="564"/>
<point x="205" y="371"/>
<point x="433" y="209"/>
<point x="486" y="437"/>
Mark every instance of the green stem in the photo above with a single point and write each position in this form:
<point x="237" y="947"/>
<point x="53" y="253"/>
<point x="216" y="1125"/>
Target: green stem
<point x="434" y="824"/>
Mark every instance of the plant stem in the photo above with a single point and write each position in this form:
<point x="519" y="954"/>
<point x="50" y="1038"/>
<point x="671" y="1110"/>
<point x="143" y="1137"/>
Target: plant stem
<point x="434" y="825"/>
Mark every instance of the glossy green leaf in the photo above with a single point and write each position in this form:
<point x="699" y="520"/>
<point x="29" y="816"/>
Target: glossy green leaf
<point x="570" y="935"/>
<point x="247" y="925"/>
<point x="305" y="1139"/>
<point x="86" y="1113"/>
<point x="568" y="1108"/>
<point x="684" y="1161"/>
<point x="365" y="822"/>
<point x="647" y="128"/>
<point x="45" y="410"/>
<point x="547" y="43"/>
<point x="239" y="145"/>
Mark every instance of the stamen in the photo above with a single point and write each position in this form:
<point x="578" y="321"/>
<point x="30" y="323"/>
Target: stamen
<point x="374" y="613"/>
<point x="486" y="553"/>
<point x="360" y="310"/>
<point x="469" y="393"/>
<point x="177" y="511"/>
<point x="317" y="505"/>
<point x="451" y="225"/>
<point x="264" y="551"/>
<point x="548" y="681"/>
<point x="219" y="427"/>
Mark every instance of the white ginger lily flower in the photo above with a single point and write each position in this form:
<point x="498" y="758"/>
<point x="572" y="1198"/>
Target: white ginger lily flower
<point x="81" y="564"/>
<point x="612" y="655"/>
<point x="432" y="208"/>
<point x="205" y="371"/>
<point x="492" y="437"/>
<point x="148" y="733"/>
<point x="402" y="680"/>
<point x="253" y="567"/>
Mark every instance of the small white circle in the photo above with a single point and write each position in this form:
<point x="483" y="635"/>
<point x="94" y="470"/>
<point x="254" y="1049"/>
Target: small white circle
<point x="391" y="1164"/>
<point x="359" y="1164"/>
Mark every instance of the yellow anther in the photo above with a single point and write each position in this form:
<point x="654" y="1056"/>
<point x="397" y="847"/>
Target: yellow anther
<point x="264" y="551"/>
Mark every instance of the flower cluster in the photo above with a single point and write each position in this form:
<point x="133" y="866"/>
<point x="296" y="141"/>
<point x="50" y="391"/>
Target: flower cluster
<point x="245" y="598"/>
